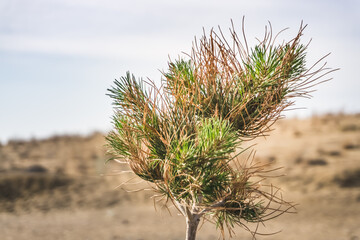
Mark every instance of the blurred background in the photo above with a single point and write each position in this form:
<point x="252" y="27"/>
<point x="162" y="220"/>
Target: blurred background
<point x="57" y="59"/>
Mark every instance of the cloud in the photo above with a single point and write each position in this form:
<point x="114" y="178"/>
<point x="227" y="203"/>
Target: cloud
<point x="109" y="47"/>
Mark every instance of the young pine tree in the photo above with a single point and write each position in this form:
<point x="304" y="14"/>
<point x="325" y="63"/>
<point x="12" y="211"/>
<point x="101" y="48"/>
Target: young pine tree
<point x="185" y="137"/>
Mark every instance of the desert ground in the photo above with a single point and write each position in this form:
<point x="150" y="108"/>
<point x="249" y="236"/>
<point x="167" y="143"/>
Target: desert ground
<point x="61" y="188"/>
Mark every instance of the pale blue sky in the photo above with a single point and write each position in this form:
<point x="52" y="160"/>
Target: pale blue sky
<point x="58" y="57"/>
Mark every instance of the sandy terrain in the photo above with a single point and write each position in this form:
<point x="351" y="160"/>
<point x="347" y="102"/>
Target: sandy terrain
<point x="59" y="188"/>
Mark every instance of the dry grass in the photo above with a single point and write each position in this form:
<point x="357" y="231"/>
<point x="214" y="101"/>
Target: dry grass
<point x="86" y="206"/>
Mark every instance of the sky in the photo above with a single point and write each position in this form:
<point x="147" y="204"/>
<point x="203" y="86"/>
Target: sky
<point x="59" y="57"/>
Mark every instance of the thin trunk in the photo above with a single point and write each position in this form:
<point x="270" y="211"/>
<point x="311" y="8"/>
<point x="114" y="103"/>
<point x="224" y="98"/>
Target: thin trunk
<point x="192" y="223"/>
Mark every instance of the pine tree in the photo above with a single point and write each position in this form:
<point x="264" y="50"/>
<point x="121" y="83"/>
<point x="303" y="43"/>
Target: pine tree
<point x="185" y="136"/>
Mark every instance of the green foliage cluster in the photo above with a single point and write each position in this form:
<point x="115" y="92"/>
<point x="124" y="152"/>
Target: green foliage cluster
<point x="185" y="136"/>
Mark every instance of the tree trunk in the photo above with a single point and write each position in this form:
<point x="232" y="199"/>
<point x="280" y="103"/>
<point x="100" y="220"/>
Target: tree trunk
<point x="192" y="223"/>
